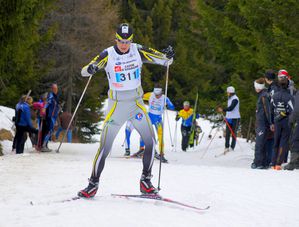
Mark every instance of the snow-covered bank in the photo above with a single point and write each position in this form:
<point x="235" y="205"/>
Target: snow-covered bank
<point x="238" y="196"/>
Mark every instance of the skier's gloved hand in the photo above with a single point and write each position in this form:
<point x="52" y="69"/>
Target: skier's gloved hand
<point x="177" y="117"/>
<point x="169" y="52"/>
<point x="92" y="69"/>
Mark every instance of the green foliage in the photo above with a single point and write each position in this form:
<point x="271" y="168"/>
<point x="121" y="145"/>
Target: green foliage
<point x="174" y="23"/>
<point x="20" y="42"/>
<point x="248" y="37"/>
<point x="217" y="44"/>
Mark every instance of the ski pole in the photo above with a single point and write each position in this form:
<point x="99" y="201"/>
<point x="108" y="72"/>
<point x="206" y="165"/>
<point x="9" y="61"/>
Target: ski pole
<point x="27" y="96"/>
<point x="229" y="127"/>
<point x="201" y="138"/>
<point x="231" y="130"/>
<point x="123" y="144"/>
<point x="169" y="129"/>
<point x="175" y="135"/>
<point x="162" y="147"/>
<point x="68" y="127"/>
<point x="204" y="153"/>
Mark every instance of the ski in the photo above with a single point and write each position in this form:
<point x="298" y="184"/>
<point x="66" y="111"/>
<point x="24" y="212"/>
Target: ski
<point x="160" y="198"/>
<point x="191" y="138"/>
<point x="57" y="201"/>
<point x="221" y="154"/>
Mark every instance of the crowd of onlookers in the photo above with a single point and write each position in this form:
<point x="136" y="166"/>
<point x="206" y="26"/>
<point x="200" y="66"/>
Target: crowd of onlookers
<point x="276" y="126"/>
<point x="39" y="120"/>
<point x="276" y="121"/>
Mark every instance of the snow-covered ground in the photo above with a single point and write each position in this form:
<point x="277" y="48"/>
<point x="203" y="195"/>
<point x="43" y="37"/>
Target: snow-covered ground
<point x="31" y="184"/>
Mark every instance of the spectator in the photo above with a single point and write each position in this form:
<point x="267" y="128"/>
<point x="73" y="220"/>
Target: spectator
<point x="294" y="118"/>
<point x="291" y="84"/>
<point x="282" y="107"/>
<point x="39" y="106"/>
<point x="22" y="99"/>
<point x="64" y="120"/>
<point x="272" y="89"/>
<point x="50" y="111"/>
<point x="232" y="117"/>
<point x="23" y="124"/>
<point x="262" y="125"/>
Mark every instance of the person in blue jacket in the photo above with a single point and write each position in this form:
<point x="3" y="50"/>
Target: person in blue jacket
<point x="156" y="103"/>
<point x="23" y="123"/>
<point x="51" y="111"/>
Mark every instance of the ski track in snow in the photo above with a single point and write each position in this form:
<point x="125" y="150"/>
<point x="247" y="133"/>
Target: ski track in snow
<point x="238" y="196"/>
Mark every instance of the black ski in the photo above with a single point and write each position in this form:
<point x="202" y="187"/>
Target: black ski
<point x="160" y="198"/>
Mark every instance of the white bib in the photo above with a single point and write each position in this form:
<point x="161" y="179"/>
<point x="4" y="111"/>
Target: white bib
<point x="235" y="113"/>
<point x="156" y="106"/>
<point x="124" y="71"/>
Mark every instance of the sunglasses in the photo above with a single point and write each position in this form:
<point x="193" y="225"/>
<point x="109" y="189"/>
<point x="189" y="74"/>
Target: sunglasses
<point x="123" y="41"/>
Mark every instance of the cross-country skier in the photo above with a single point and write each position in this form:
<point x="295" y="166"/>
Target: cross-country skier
<point x="187" y="116"/>
<point x="128" y="131"/>
<point x="262" y="126"/>
<point x="155" y="111"/>
<point x="122" y="63"/>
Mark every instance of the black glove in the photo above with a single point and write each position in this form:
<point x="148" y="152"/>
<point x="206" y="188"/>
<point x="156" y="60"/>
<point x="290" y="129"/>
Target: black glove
<point x="177" y="117"/>
<point x="169" y="52"/>
<point x="92" y="69"/>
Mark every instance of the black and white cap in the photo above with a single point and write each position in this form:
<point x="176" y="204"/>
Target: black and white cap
<point x="124" y="31"/>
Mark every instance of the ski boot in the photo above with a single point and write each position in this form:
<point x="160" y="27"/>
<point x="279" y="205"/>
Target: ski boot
<point x="146" y="186"/>
<point x="90" y="191"/>
<point x="139" y="154"/>
<point x="127" y="152"/>
<point x="294" y="163"/>
<point x="45" y="149"/>
<point x="158" y="156"/>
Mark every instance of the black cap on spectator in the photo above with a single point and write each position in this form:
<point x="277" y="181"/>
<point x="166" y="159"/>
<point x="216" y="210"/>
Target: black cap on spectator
<point x="270" y="75"/>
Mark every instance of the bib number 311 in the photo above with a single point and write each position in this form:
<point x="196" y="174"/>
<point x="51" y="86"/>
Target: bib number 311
<point x="121" y="77"/>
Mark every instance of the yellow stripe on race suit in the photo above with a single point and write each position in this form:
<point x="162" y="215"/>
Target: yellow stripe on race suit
<point x="102" y="63"/>
<point x="145" y="55"/>
<point x="105" y="133"/>
<point x="158" y="55"/>
<point x="147" y="96"/>
<point x="160" y="138"/>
